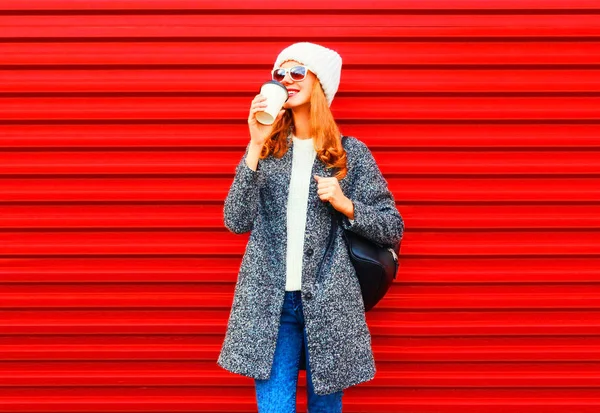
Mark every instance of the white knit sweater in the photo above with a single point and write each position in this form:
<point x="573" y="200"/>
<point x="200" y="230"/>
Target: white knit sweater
<point x="302" y="161"/>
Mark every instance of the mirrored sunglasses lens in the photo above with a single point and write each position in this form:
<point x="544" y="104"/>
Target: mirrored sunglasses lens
<point x="279" y="75"/>
<point x="298" y="72"/>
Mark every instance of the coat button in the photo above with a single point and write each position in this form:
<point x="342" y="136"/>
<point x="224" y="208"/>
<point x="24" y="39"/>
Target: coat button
<point x="308" y="295"/>
<point x="309" y="252"/>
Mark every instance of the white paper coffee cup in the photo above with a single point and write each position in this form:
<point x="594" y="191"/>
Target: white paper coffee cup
<point x="276" y="95"/>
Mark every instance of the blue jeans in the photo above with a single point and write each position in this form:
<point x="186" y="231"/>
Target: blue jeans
<point x="277" y="394"/>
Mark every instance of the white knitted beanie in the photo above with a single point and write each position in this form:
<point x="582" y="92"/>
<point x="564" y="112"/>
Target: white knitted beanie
<point x="325" y="63"/>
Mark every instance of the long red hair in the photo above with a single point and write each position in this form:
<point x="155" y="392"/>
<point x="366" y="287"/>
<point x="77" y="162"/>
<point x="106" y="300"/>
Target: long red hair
<point x="324" y="130"/>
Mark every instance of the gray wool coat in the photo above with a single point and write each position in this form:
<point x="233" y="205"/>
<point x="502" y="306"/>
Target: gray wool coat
<point x="339" y="341"/>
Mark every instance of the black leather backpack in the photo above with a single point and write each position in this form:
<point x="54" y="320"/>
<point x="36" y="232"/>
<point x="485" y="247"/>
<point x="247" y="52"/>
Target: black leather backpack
<point x="376" y="266"/>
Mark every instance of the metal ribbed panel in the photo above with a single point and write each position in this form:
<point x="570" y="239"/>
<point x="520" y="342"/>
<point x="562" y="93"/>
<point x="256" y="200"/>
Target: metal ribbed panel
<point x="120" y="127"/>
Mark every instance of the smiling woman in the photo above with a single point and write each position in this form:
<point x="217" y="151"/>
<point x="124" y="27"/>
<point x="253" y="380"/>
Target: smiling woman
<point x="311" y="73"/>
<point x="298" y="304"/>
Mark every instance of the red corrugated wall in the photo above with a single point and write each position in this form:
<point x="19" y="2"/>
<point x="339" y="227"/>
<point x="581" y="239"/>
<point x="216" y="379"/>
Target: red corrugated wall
<point x="122" y="122"/>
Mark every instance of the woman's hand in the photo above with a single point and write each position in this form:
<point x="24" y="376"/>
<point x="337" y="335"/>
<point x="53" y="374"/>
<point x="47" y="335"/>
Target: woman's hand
<point x="258" y="131"/>
<point x="329" y="190"/>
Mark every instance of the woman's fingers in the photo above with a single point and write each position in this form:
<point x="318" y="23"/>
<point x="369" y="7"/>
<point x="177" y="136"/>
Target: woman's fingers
<point x="259" y="99"/>
<point x="258" y="104"/>
<point x="255" y="109"/>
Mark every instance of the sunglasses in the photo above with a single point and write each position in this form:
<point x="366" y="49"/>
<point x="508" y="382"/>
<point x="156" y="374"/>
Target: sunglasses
<point x="297" y="73"/>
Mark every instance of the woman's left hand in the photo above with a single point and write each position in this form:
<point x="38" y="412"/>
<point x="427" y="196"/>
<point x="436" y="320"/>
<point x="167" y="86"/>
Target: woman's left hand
<point x="329" y="190"/>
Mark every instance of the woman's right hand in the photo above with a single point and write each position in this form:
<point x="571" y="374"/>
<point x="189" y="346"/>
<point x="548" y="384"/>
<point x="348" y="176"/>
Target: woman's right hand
<point x="258" y="131"/>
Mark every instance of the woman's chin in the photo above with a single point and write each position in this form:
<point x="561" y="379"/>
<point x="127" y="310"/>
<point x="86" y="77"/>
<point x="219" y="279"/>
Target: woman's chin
<point x="292" y="105"/>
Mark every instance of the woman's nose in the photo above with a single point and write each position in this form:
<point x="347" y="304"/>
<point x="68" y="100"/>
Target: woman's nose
<point x="287" y="79"/>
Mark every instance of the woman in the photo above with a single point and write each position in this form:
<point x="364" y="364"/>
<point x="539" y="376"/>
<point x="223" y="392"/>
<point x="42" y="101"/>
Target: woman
<point x="293" y="307"/>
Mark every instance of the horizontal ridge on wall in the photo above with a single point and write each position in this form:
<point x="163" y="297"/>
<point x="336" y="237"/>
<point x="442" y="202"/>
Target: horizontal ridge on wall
<point x="427" y="24"/>
<point x="403" y="135"/>
<point x="422" y="53"/>
<point x="232" y="6"/>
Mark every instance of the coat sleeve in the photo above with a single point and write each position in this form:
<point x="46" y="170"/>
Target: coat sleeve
<point x="241" y="204"/>
<point x="375" y="214"/>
